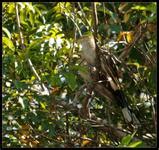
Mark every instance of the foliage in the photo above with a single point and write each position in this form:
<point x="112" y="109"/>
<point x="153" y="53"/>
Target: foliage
<point x="126" y="142"/>
<point x="31" y="118"/>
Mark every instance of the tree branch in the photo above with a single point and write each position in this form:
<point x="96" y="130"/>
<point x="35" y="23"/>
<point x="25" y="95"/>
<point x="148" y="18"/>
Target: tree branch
<point x="95" y="17"/>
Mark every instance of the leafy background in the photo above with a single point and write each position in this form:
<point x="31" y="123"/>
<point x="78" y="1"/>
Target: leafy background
<point x="31" y="118"/>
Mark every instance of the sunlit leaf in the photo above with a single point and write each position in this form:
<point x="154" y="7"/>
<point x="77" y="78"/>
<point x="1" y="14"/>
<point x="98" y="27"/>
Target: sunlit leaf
<point x="20" y="100"/>
<point x="11" y="8"/>
<point x="135" y="144"/>
<point x="126" y="140"/>
<point x="43" y="105"/>
<point x="7" y="32"/>
<point x="139" y="7"/>
<point x="31" y="19"/>
<point x="33" y="78"/>
<point x="128" y="36"/>
<point x="152" y="7"/>
<point x="85" y="142"/>
<point x="29" y="5"/>
<point x="8" y="43"/>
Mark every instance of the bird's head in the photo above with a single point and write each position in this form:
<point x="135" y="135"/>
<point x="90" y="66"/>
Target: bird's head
<point x="87" y="45"/>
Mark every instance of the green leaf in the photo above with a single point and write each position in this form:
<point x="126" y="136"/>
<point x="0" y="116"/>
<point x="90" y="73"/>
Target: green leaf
<point x="51" y="130"/>
<point x="153" y="77"/>
<point x="126" y="140"/>
<point x="43" y="105"/>
<point x="115" y="28"/>
<point x="20" y="85"/>
<point x="135" y="144"/>
<point x="79" y="68"/>
<point x="44" y="125"/>
<point x="8" y="43"/>
<point x="29" y="5"/>
<point x="11" y="8"/>
<point x="71" y="80"/>
<point x="55" y="80"/>
<point x="138" y="7"/>
<point x="136" y="55"/>
<point x="152" y="7"/>
<point x="7" y="32"/>
<point x="35" y="43"/>
<point x="31" y="19"/>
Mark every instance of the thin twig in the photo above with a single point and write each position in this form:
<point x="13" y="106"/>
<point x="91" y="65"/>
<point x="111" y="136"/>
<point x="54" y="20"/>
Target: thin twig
<point x="84" y="15"/>
<point x="95" y="18"/>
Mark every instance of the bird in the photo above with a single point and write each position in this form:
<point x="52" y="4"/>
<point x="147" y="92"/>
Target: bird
<point x="88" y="48"/>
<point x="107" y="78"/>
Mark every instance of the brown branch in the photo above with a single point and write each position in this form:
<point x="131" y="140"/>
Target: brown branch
<point x="96" y="122"/>
<point x="95" y="18"/>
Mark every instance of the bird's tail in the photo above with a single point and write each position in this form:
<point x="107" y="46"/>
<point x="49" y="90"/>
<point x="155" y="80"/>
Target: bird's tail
<point x="128" y="115"/>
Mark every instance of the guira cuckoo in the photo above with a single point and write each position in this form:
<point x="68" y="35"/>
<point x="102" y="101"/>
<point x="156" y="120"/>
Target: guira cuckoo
<point x="106" y="79"/>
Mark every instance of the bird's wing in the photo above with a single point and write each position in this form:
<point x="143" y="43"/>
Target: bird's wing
<point x="110" y="69"/>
